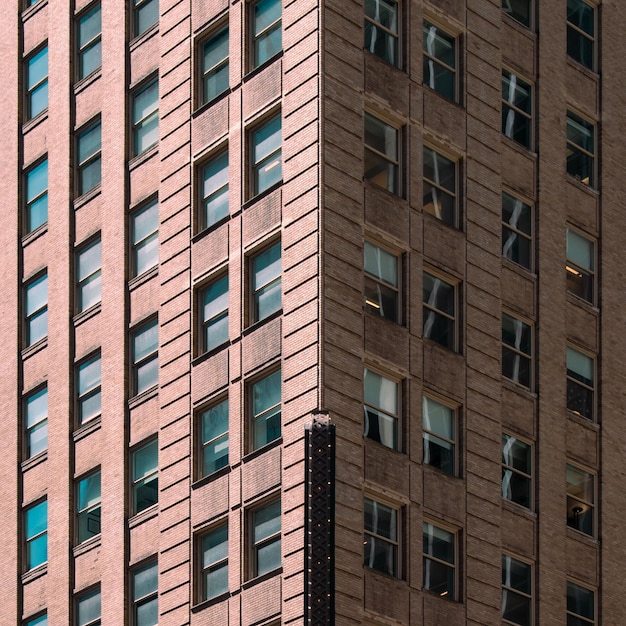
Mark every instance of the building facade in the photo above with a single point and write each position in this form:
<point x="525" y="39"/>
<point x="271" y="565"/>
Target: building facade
<point x="313" y="312"/>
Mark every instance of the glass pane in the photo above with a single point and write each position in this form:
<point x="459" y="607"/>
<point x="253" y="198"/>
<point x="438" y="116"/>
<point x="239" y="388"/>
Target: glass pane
<point x="438" y="578"/>
<point x="37" y="327"/>
<point x="145" y="222"/>
<point x="439" y="453"/>
<point x="89" y="26"/>
<point x="37" y="294"/>
<point x="580" y="600"/>
<point x="90" y="59"/>
<point x="146" y="134"/>
<point x="146" y="254"/>
<point x="37" y="551"/>
<point x="438" y="294"/>
<point x="266" y="521"/>
<point x="90" y="175"/>
<point x="580" y="366"/>
<point x="516" y="453"/>
<point x="380" y="392"/>
<point x="215" y="175"/>
<point x="215" y="50"/>
<point x="147" y="375"/>
<point x="89" y="142"/>
<point x="268" y="172"/>
<point x="145" y="581"/>
<point x="266" y="12"/>
<point x="380" y="555"/>
<point x="381" y="519"/>
<point x="145" y="341"/>
<point x="215" y="546"/>
<point x="145" y="460"/>
<point x="37" y="213"/>
<point x="268" y="44"/>
<point x="268" y="557"/>
<point x="89" y="292"/>
<point x="215" y="298"/>
<point x="518" y="9"/>
<point x="266" y="266"/>
<point x="216" y="332"/>
<point x="145" y="101"/>
<point x="439" y="170"/>
<point x="516" y="488"/>
<point x="438" y="543"/>
<point x="266" y="393"/>
<point x="580" y="250"/>
<point x="439" y="45"/>
<point x="516" y="213"/>
<point x="516" y="367"/>
<point x="90" y="406"/>
<point x="381" y="137"/>
<point x="580" y="484"/>
<point x="516" y="334"/>
<point x="381" y="263"/>
<point x="216" y="207"/>
<point x="215" y="421"/>
<point x="88" y="260"/>
<point x="36" y="519"/>
<point x="266" y="139"/>
<point x="437" y="418"/>
<point x="146" y="14"/>
<point x="146" y="494"/>
<point x="581" y="15"/>
<point x="267" y="428"/>
<point x="36" y="407"/>
<point x="36" y="180"/>
<point x="580" y="132"/>
<point x="515" y="608"/>
<point x="380" y="299"/>
<point x="383" y="12"/>
<point x="516" y="91"/>
<point x="42" y="620"/>
<point x="516" y="574"/>
<point x="88" y="608"/>
<point x="378" y="39"/>
<point x="147" y="613"/>
<point x="580" y="47"/>
<point x="88" y="524"/>
<point x="37" y="68"/>
<point x="89" y="491"/>
<point x="216" y="581"/>
<point x="215" y="455"/>
<point x="37" y="438"/>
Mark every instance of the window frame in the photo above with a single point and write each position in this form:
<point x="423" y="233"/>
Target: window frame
<point x="147" y="598"/>
<point x="275" y="282"/>
<point x="82" y="50"/>
<point x="136" y="8"/>
<point x="508" y="465"/>
<point x="509" y="106"/>
<point x="396" y="443"/>
<point x="89" y="593"/>
<point x="579" y="616"/>
<point x="221" y="439"/>
<point x="215" y="192"/>
<point x="431" y="57"/>
<point x="146" y="240"/>
<point x="41" y="311"/>
<point x="138" y="364"/>
<point x="434" y="185"/>
<point x="91" y="159"/>
<point x="590" y="389"/>
<point x="262" y="35"/>
<point x="41" y="423"/>
<point x="273" y="412"/>
<point x="517" y="351"/>
<point x="30" y="202"/>
<point x="578" y="32"/>
<point x="83" y="396"/>
<point x="93" y="276"/>
<point x="382" y="285"/>
<point x="573" y="148"/>
<point x="373" y="534"/>
<point x="205" y="570"/>
<point x="34" y="536"/>
<point x="140" y="126"/>
<point x="202" y="302"/>
<point x="514" y="232"/>
<point x="508" y="588"/>
<point x="255" y="545"/>
<point x="454" y="565"/>
<point x="426" y="433"/>
<point x="574" y="501"/>
<point x="511" y="12"/>
<point x="205" y="74"/>
<point x="136" y="482"/>
<point x="388" y="34"/>
<point x="391" y="165"/>
<point x="574" y="268"/>
<point x="272" y="159"/>
<point x="454" y="318"/>
<point x="42" y="83"/>
<point x="89" y="509"/>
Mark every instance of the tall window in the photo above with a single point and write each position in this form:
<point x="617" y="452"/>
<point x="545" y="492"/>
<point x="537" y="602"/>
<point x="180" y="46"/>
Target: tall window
<point x="518" y="10"/>
<point x="380" y="539"/>
<point x="381" y="159"/>
<point x="440" y="197"/>
<point x="36" y="534"/>
<point x="214" y="65"/>
<point x="440" y="61"/>
<point x="439" y="424"/>
<point x="89" y="274"/>
<point x="145" y="342"/>
<point x="580" y="265"/>
<point x="439" y="311"/>
<point x="36" y="421"/>
<point x="580" y="383"/>
<point x="40" y="620"/>
<point x="265" y="534"/>
<point x="266" y="30"/>
<point x="89" y="41"/>
<point x="214" y="438"/>
<point x="214" y="314"/>
<point x="214" y="190"/>
<point x="516" y="350"/>
<point x="381" y="29"/>
<point x="88" y="507"/>
<point x="516" y="470"/>
<point x="580" y="500"/>
<point x="145" y="117"/>
<point x="580" y="32"/>
<point x="88" y="608"/>
<point x="516" y="230"/>
<point x="145" y="476"/>
<point x="37" y="83"/>
<point x="580" y="149"/>
<point x="380" y="408"/>
<point x="517" y="108"/>
<point x="580" y="605"/>
<point x="516" y="591"/>
<point x="145" y="15"/>
<point x="265" y="279"/>
<point x="145" y="585"/>
<point x="36" y="196"/>
<point x="89" y="161"/>
<point x="145" y="238"/>
<point x="88" y="388"/>
<point x="266" y="155"/>
<point x="265" y="409"/>
<point x="439" y="565"/>
<point x="36" y="309"/>
<point x="214" y="575"/>
<point x="381" y="281"/>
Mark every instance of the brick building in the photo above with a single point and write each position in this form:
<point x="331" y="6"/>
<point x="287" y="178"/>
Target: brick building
<point x="313" y="312"/>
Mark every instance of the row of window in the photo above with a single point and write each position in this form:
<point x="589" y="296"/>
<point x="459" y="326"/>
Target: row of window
<point x="440" y="566"/>
<point x="441" y="56"/>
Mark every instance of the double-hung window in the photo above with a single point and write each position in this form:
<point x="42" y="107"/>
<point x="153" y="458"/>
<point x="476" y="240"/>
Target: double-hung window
<point x="37" y="83"/>
<point x="516" y="350"/>
<point x="518" y="10"/>
<point x="145" y="347"/>
<point x="580" y="605"/>
<point x="214" y="190"/>
<point x="580" y="383"/>
<point x="88" y="384"/>
<point x="214" y="438"/>
<point x="36" y="421"/>
<point x="580" y="151"/>
<point x="580" y="265"/>
<point x="266" y="20"/>
<point x="145" y="585"/>
<point x="381" y="29"/>
<point x="440" y="61"/>
<point x="88" y="507"/>
<point x="381" y="157"/>
<point x="214" y="314"/>
<point x="265" y="282"/>
<point x="89" y="157"/>
<point x="36" y="196"/>
<point x="40" y="620"/>
<point x="516" y="591"/>
<point x="439" y="433"/>
<point x="266" y="155"/>
<point x="439" y="311"/>
<point x="265" y="535"/>
<point x="381" y="282"/>
<point x="145" y="111"/>
<point x="265" y="409"/>
<point x="215" y="79"/>
<point x="380" y="537"/>
<point x="36" y="534"/>
<point x="581" y="32"/>
<point x="145" y="238"/>
<point x="145" y="476"/>
<point x="517" y="107"/>
<point x="214" y="563"/>
<point x="145" y="14"/>
<point x="439" y="564"/>
<point x="36" y="309"/>
<point x="89" y="274"/>
<point x="440" y="182"/>
<point x="88" y="608"/>
<point x="516" y="231"/>
<point x="380" y="408"/>
<point x="89" y="41"/>
<point x="580" y="500"/>
<point x="516" y="470"/>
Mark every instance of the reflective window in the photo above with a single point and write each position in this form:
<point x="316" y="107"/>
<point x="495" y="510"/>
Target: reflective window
<point x="580" y="32"/>
<point x="145" y="476"/>
<point x="214" y="438"/>
<point x="36" y="421"/>
<point x="516" y="350"/>
<point x="518" y="9"/>
<point x="88" y="507"/>
<point x="41" y="620"/>
<point x="381" y="29"/>
<point x="580" y="265"/>
<point x="37" y="83"/>
<point x="266" y="155"/>
<point x="266" y="30"/>
<point x="89" y="158"/>
<point x="580" y="149"/>
<point x="145" y="117"/>
<point x="89" y="41"/>
<point x="440" y="61"/>
<point x="516" y="471"/>
<point x="36" y="309"/>
<point x="89" y="389"/>
<point x="215" y="78"/>
<point x="88" y="608"/>
<point x="265" y="409"/>
<point x="440" y="197"/>
<point x="145" y="346"/>
<point x="145" y="14"/>
<point x="516" y="591"/>
<point x="380" y="539"/>
<point x="214" y="190"/>
<point x="580" y="500"/>
<point x="516" y="108"/>
<point x="265" y="535"/>
<point x="439" y="311"/>
<point x="516" y="231"/>
<point x="36" y="196"/>
<point x="439" y="432"/>
<point x="214" y="547"/>
<point x="266" y="278"/>
<point x="439" y="574"/>
<point x="145" y="238"/>
<point x="381" y="282"/>
<point x="381" y="154"/>
<point x="380" y="408"/>
<point x="36" y="534"/>
<point x="580" y="605"/>
<point x="145" y="585"/>
<point x="214" y="314"/>
<point x="89" y="275"/>
<point x="580" y="383"/>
